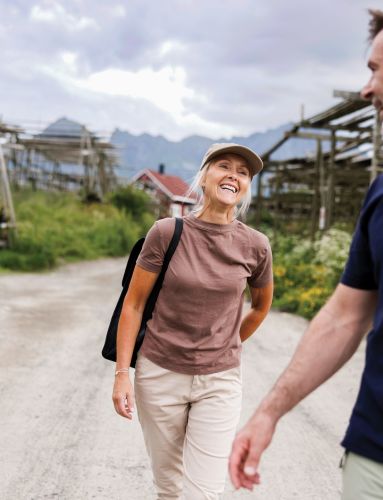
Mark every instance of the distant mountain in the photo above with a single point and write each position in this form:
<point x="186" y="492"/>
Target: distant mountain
<point x="183" y="157"/>
<point x="63" y="128"/>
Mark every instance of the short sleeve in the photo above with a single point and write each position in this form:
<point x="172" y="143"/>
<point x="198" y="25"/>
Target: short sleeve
<point x="152" y="254"/>
<point x="359" y="270"/>
<point x="263" y="272"/>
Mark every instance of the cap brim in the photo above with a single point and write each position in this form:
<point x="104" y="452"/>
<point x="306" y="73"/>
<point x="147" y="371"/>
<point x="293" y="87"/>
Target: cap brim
<point x="253" y="160"/>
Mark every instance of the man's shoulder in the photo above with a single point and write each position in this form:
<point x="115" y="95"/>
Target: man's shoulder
<point x="375" y="191"/>
<point x="372" y="199"/>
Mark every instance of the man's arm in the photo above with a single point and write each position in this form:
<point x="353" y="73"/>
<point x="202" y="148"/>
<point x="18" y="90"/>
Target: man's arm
<point x="331" y="339"/>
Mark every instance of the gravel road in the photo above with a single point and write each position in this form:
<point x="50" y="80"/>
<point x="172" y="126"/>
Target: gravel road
<point x="60" y="436"/>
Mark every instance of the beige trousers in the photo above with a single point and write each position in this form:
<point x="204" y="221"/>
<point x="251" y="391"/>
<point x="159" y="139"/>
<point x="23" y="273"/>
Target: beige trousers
<point x="362" y="478"/>
<point x="189" y="422"/>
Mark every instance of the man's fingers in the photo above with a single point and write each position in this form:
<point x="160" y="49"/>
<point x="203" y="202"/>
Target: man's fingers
<point x="258" y="442"/>
<point x="249" y="482"/>
<point x="250" y="465"/>
<point x="237" y="458"/>
<point x="244" y="461"/>
<point x="234" y="470"/>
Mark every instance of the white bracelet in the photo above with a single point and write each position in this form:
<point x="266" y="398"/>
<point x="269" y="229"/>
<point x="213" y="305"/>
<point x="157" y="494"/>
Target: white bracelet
<point x="121" y="370"/>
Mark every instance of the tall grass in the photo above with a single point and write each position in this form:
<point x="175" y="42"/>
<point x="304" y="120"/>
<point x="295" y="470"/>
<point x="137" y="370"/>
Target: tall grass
<point x="53" y="228"/>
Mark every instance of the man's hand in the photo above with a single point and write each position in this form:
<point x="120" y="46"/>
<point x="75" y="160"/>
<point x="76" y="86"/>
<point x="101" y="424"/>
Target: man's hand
<point x="248" y="446"/>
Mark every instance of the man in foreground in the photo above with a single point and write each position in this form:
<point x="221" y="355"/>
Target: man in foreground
<point x="332" y="338"/>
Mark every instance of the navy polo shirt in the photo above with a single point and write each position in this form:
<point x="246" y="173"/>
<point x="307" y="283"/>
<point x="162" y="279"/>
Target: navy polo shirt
<point x="364" y="270"/>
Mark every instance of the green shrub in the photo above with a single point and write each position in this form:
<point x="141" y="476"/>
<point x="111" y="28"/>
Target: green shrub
<point x="306" y="272"/>
<point x="57" y="227"/>
<point x="132" y="200"/>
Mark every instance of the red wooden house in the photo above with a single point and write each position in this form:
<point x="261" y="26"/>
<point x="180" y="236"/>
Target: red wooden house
<point x="168" y="191"/>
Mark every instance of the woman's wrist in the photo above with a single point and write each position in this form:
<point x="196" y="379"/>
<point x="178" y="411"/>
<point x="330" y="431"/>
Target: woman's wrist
<point x="121" y="371"/>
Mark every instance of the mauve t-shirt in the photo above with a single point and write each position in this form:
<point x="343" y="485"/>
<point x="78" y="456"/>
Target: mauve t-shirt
<point x="196" y="320"/>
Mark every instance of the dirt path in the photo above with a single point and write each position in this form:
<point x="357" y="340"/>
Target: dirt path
<point x="60" y="437"/>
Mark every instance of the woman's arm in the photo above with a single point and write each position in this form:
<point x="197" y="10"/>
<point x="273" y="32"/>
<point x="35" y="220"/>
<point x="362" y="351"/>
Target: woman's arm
<point x="141" y="285"/>
<point x="261" y="299"/>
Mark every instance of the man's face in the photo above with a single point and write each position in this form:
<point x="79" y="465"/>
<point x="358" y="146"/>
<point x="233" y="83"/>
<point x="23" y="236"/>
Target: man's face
<point x="373" y="90"/>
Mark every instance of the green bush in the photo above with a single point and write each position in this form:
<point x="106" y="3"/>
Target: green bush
<point x="306" y="272"/>
<point x="132" y="200"/>
<point x="57" y="227"/>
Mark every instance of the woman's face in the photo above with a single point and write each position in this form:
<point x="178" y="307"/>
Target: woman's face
<point x="226" y="180"/>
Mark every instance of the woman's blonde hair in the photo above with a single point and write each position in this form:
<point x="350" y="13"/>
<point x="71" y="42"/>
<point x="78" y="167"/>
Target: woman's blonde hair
<point x="196" y="188"/>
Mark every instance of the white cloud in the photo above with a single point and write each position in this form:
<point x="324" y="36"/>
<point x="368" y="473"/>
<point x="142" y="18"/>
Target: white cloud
<point x="54" y="13"/>
<point x="169" y="47"/>
<point x="45" y="15"/>
<point x="70" y="60"/>
<point x="165" y="88"/>
<point x="117" y="11"/>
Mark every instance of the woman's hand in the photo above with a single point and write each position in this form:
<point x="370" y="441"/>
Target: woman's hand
<point x="123" y="395"/>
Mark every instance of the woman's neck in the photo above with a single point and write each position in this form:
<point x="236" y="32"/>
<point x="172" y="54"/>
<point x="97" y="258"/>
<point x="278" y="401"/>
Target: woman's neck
<point x="215" y="216"/>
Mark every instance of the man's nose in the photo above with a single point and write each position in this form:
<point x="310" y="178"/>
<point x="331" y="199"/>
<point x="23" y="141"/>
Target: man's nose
<point x="366" y="92"/>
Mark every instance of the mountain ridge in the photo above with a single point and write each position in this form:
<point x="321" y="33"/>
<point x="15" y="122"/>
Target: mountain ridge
<point x="137" y="152"/>
<point x="183" y="157"/>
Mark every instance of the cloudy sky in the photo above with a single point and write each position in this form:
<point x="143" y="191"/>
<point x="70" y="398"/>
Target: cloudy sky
<point x="178" y="67"/>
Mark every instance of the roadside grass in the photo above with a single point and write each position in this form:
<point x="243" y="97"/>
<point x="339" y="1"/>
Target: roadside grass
<point x="54" y="228"/>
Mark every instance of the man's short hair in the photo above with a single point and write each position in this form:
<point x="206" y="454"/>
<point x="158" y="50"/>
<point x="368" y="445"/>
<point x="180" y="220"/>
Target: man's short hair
<point x="375" y="24"/>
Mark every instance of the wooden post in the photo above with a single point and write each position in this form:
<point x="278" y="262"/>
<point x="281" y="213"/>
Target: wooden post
<point x="277" y="202"/>
<point x="322" y="189"/>
<point x="316" y="196"/>
<point x="84" y="163"/>
<point x="377" y="143"/>
<point x="102" y="178"/>
<point x="258" y="212"/>
<point x="6" y="189"/>
<point x="330" y="199"/>
<point x="93" y="167"/>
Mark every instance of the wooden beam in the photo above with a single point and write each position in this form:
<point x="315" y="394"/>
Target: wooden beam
<point x="316" y="136"/>
<point x="349" y="96"/>
<point x="278" y="144"/>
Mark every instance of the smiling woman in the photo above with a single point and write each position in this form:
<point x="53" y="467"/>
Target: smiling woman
<point x="188" y="371"/>
<point x="228" y="159"/>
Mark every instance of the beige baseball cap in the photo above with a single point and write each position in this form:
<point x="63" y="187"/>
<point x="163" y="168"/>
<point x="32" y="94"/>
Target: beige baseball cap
<point x="253" y="160"/>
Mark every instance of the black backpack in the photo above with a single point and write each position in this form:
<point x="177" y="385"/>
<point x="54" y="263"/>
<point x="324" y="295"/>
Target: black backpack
<point x="109" y="349"/>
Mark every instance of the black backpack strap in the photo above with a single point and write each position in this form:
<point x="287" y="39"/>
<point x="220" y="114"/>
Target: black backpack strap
<point x="173" y="243"/>
<point x="151" y="302"/>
